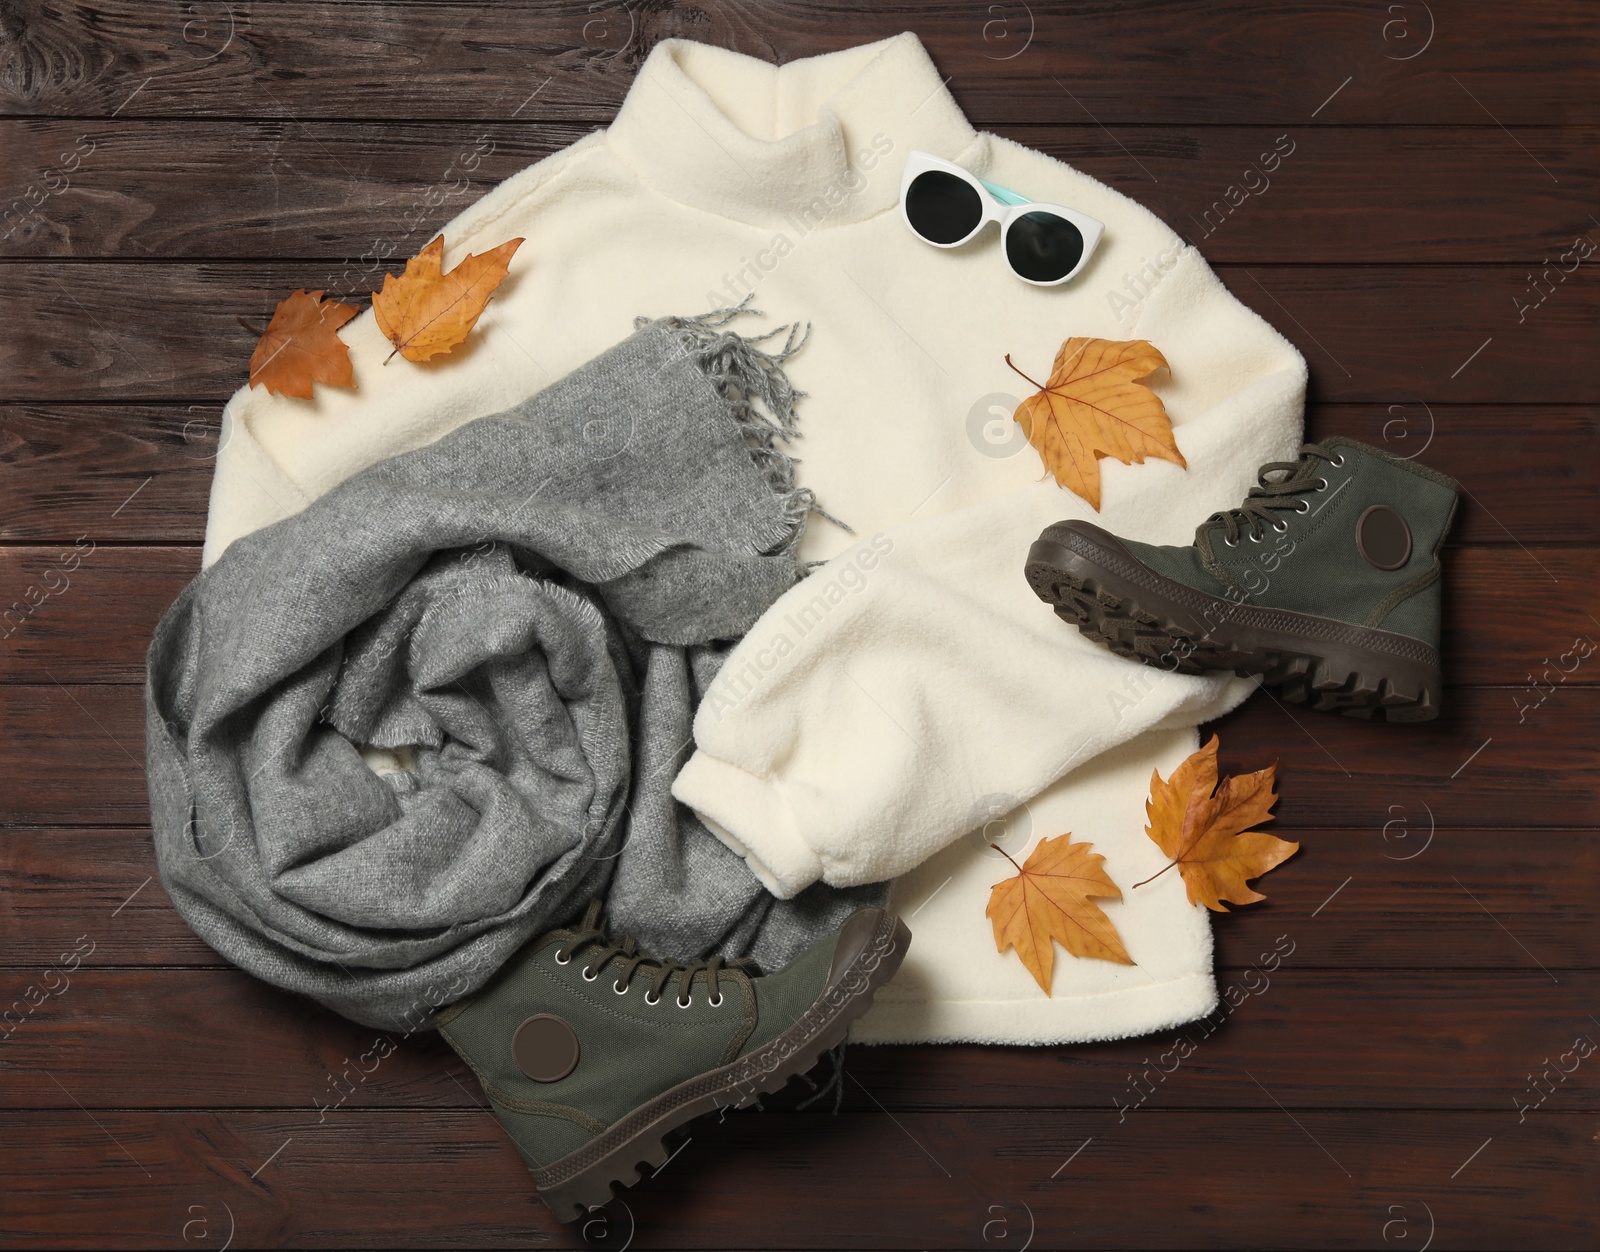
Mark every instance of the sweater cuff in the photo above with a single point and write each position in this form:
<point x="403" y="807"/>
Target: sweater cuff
<point x="750" y="815"/>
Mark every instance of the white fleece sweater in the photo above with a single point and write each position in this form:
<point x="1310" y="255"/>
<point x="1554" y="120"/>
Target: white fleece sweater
<point x="913" y="687"/>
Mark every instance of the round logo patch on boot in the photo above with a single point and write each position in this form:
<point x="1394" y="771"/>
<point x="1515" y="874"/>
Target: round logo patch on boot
<point x="545" y="1048"/>
<point x="1383" y="538"/>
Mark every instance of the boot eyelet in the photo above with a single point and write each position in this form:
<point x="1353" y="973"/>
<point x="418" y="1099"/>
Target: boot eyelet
<point x="590" y="975"/>
<point x="683" y="1004"/>
<point x="1322" y="484"/>
<point x="1230" y="543"/>
<point x="1338" y="461"/>
<point x="619" y="989"/>
<point x="1255" y="538"/>
<point x="649" y="1001"/>
<point x="717" y="1003"/>
<point x="1304" y="507"/>
<point x="562" y="961"/>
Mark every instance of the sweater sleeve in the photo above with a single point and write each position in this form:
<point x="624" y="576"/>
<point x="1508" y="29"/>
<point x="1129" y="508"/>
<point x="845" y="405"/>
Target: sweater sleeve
<point x="914" y="685"/>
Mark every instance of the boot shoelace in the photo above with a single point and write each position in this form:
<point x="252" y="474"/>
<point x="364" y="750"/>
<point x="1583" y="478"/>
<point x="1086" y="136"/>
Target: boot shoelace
<point x="590" y="933"/>
<point x="1274" y="495"/>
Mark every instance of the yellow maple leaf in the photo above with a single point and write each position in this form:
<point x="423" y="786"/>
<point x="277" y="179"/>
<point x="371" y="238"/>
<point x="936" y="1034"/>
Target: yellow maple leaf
<point x="1094" y="406"/>
<point x="1051" y="899"/>
<point x="426" y="311"/>
<point x="301" y="346"/>
<point x="1204" y="828"/>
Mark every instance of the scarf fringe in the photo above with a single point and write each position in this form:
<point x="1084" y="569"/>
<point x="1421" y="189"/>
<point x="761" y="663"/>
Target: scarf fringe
<point x="743" y="373"/>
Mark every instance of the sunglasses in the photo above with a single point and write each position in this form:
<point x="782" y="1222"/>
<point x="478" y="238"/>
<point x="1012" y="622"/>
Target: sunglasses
<point x="943" y="204"/>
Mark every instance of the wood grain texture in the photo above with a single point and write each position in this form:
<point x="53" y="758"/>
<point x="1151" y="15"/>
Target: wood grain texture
<point x="1484" y="755"/>
<point x="1408" y="894"/>
<point x="142" y="473"/>
<point x="347" y="192"/>
<point x="341" y="192"/>
<point x="1526" y="617"/>
<point x="1315" y="1038"/>
<point x="58" y="883"/>
<point x="106" y="472"/>
<point x="1442" y="334"/>
<point x="1194" y="63"/>
<point x="1533" y="472"/>
<point x="88" y="610"/>
<point x="72" y="754"/>
<point x="862" y="1180"/>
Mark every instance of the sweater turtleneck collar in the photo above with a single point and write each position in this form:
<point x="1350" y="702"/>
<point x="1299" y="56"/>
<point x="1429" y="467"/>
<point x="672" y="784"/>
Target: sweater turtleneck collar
<point x="758" y="142"/>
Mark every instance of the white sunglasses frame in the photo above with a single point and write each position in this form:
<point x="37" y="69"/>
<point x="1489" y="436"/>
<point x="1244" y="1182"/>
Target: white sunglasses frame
<point x="999" y="205"/>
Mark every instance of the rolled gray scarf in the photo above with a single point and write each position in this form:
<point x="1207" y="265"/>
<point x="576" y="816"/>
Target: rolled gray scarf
<point x="513" y="625"/>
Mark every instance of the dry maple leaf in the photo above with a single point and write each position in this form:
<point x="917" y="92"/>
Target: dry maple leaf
<point x="426" y="311"/>
<point x="1207" y="835"/>
<point x="1093" y="406"/>
<point x="301" y="345"/>
<point x="1052" y="897"/>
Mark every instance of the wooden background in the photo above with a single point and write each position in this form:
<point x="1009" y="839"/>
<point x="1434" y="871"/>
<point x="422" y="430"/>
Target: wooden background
<point x="168" y="167"/>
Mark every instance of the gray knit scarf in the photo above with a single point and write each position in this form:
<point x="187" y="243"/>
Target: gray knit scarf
<point x="392" y="737"/>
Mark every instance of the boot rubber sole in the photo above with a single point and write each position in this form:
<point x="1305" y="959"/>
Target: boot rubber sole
<point x="1315" y="661"/>
<point x="589" y="1177"/>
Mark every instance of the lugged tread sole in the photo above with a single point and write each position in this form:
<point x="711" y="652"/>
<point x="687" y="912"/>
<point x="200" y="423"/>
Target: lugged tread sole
<point x="590" y="1176"/>
<point x="1325" y="665"/>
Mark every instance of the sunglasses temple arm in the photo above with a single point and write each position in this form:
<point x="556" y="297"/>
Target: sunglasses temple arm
<point x="1004" y="195"/>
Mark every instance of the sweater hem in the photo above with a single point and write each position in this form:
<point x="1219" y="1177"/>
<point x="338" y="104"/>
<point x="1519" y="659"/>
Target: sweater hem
<point x="1122" y="1014"/>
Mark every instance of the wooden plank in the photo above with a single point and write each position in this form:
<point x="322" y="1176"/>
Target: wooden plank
<point x="342" y="190"/>
<point x="349" y="193"/>
<point x="1412" y="894"/>
<point x="1257" y="196"/>
<point x="72" y="755"/>
<point x="84" y="612"/>
<point x="142" y="473"/>
<point x="1378" y="334"/>
<point x="106" y="472"/>
<point x="1488" y="753"/>
<point x="1178" y="62"/>
<point x="1459" y="334"/>
<point x="60" y="884"/>
<point x="200" y="1038"/>
<point x="1521" y="616"/>
<point x="1533" y="473"/>
<point x="792" y="1180"/>
<point x="1407" y="895"/>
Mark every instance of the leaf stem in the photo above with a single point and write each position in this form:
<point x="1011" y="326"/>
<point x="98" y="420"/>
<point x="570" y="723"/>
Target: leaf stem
<point x="1039" y="386"/>
<point x="1007" y="855"/>
<point x="250" y="328"/>
<point x="1154" y="876"/>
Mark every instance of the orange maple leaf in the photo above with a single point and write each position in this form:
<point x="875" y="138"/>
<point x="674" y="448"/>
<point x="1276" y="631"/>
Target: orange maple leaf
<point x="1207" y="835"/>
<point x="301" y="345"/>
<point x="1093" y="406"/>
<point x="1052" y="898"/>
<point x="425" y="311"/>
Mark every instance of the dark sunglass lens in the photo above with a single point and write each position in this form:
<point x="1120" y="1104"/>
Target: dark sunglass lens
<point x="1043" y="247"/>
<point x="942" y="208"/>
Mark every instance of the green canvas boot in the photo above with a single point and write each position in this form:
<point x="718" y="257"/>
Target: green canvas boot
<point x="1325" y="581"/>
<point x="591" y="1050"/>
